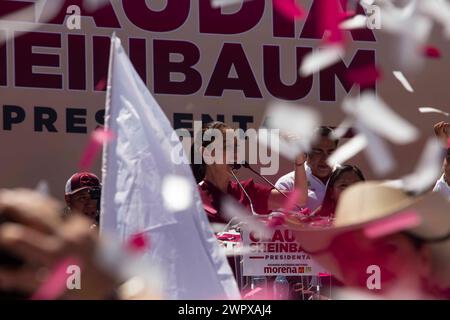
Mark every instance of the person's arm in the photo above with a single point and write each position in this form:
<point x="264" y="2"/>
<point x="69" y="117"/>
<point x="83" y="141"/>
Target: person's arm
<point x="276" y="200"/>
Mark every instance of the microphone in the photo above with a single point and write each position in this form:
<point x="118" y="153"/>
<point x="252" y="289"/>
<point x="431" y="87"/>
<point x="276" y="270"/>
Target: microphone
<point x="237" y="167"/>
<point x="247" y="166"/>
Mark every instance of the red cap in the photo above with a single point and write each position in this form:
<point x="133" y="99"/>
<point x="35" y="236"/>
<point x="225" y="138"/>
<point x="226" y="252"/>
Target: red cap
<point x="80" y="181"/>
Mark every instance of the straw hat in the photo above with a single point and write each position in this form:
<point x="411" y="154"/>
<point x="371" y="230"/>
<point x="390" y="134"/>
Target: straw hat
<point x="366" y="204"/>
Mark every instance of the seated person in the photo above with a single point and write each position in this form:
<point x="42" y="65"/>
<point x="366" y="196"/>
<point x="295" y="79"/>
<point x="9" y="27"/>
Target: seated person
<point x="341" y="178"/>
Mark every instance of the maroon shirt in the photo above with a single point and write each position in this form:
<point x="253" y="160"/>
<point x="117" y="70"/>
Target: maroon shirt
<point x="211" y="197"/>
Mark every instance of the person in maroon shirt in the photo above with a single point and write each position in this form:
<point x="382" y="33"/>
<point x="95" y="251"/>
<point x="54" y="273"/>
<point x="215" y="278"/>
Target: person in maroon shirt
<point x="215" y="179"/>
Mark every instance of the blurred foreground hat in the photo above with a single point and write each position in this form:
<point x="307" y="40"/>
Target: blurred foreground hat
<point x="366" y="206"/>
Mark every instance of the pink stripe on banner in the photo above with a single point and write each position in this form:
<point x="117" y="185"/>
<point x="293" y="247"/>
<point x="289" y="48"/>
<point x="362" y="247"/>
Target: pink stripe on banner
<point x="403" y="221"/>
<point x="56" y="283"/>
<point x="289" y="9"/>
<point x="94" y="147"/>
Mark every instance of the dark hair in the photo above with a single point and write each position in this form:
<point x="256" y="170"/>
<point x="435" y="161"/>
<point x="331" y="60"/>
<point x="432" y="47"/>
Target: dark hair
<point x="325" y="132"/>
<point x="329" y="204"/>
<point x="199" y="169"/>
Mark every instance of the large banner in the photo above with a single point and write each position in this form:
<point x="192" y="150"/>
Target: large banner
<point x="199" y="62"/>
<point x="279" y="254"/>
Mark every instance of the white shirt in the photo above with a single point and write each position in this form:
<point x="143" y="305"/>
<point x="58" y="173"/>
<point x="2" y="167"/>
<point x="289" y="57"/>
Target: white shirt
<point x="316" y="188"/>
<point x="442" y="187"/>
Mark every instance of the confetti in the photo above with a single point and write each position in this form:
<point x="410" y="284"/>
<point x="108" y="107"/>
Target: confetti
<point x="321" y="59"/>
<point x="377" y="152"/>
<point x="428" y="169"/>
<point x="432" y="52"/>
<point x="374" y="114"/>
<point x="223" y="3"/>
<point x="177" y="193"/>
<point x="138" y="242"/>
<point x="433" y="110"/>
<point x="97" y="139"/>
<point x="289" y="9"/>
<point x="357" y="22"/>
<point x="366" y="76"/>
<point x="101" y="85"/>
<point x="298" y="125"/>
<point x="348" y="150"/>
<point x="401" y="77"/>
<point x="276" y="220"/>
<point x="329" y="20"/>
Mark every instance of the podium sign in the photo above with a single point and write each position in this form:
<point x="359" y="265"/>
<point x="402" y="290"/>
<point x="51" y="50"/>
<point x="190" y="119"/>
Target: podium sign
<point x="278" y="255"/>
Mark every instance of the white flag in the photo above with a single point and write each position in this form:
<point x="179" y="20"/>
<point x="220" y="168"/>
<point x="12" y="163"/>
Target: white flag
<point x="135" y="167"/>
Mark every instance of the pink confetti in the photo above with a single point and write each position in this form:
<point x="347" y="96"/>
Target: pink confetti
<point x="209" y="208"/>
<point x="101" y="85"/>
<point x="432" y="52"/>
<point x="331" y="17"/>
<point x="403" y="221"/>
<point x="365" y="76"/>
<point x="56" y="283"/>
<point x="289" y="8"/>
<point x="305" y="212"/>
<point x="257" y="294"/>
<point x="98" y="138"/>
<point x="276" y="221"/>
<point x="324" y="275"/>
<point x="138" y="242"/>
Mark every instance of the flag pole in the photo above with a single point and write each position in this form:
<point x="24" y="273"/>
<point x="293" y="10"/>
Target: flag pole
<point x="106" y="121"/>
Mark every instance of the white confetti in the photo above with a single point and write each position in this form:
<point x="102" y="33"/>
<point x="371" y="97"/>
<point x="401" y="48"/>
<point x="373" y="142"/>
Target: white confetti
<point x="428" y="169"/>
<point x="296" y="127"/>
<point x="271" y="139"/>
<point x="321" y="59"/>
<point x="348" y="150"/>
<point x="401" y="77"/>
<point x="378" y="117"/>
<point x="223" y="3"/>
<point x="357" y="22"/>
<point x="377" y="152"/>
<point x="300" y="121"/>
<point x="433" y="110"/>
<point x="177" y="193"/>
<point x="340" y="131"/>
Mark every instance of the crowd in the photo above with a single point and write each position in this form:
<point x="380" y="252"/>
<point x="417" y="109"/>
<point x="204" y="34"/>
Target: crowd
<point x="34" y="235"/>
